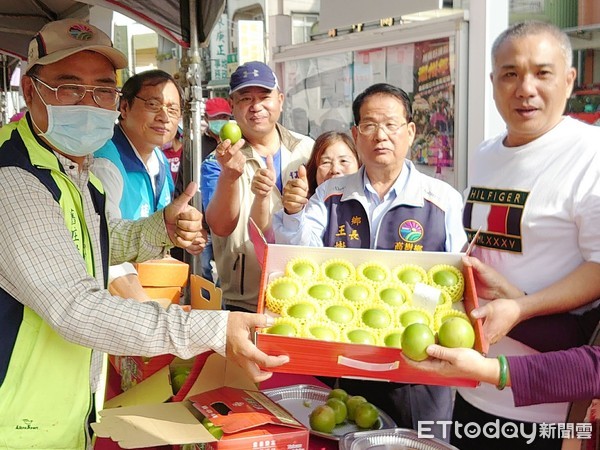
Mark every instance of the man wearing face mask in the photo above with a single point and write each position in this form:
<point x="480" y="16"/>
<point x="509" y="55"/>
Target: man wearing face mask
<point x="56" y="316"/>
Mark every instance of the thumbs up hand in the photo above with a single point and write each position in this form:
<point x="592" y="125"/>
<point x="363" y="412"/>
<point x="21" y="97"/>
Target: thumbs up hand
<point x="264" y="179"/>
<point x="182" y="220"/>
<point x="295" y="193"/>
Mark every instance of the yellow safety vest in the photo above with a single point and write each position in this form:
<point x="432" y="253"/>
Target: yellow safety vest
<point x="45" y="398"/>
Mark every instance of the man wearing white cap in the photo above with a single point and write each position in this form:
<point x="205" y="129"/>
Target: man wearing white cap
<point x="257" y="103"/>
<point x="55" y="313"/>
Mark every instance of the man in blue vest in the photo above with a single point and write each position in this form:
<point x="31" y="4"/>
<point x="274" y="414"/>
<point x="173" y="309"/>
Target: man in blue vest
<point x="369" y="209"/>
<point x="133" y="169"/>
<point x="56" y="315"/>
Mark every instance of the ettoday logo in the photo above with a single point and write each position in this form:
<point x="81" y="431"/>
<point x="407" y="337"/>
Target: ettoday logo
<point x="27" y="425"/>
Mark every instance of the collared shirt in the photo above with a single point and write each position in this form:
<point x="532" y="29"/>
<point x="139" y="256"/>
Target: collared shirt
<point x="42" y="269"/>
<point x="312" y="226"/>
<point x="377" y="206"/>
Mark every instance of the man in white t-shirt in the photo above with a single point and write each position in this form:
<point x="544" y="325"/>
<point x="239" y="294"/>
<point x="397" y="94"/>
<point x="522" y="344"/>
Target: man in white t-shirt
<point x="535" y="193"/>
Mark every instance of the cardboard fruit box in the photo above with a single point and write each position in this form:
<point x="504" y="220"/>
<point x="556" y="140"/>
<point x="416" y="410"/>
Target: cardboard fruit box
<point x="141" y="418"/>
<point x="249" y="419"/>
<point x="340" y="359"/>
<point x="163" y="272"/>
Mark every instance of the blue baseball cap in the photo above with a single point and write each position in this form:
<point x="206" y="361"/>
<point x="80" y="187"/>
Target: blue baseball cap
<point x="253" y="73"/>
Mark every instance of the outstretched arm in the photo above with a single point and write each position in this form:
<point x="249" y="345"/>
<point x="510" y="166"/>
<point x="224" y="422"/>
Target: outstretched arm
<point x="562" y="376"/>
<point x="511" y="305"/>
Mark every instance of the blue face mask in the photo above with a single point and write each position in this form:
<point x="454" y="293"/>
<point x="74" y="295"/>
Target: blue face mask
<point x="79" y="130"/>
<point x="215" y="125"/>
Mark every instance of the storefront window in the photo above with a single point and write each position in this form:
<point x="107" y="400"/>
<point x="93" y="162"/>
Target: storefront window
<point x="319" y="93"/>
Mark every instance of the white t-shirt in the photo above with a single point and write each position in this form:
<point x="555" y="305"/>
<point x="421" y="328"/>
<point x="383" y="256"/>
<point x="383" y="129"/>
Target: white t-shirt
<point x="539" y="209"/>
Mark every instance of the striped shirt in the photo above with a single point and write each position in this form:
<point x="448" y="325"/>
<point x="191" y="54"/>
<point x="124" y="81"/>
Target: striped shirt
<point x="41" y="267"/>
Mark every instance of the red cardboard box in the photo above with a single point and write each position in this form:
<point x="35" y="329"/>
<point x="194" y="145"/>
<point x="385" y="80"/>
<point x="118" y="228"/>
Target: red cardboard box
<point x="249" y="419"/>
<point x="140" y="418"/>
<point x="336" y="359"/>
<point x="135" y="369"/>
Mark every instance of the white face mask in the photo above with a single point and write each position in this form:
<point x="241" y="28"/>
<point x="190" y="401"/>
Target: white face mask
<point x="79" y="130"/>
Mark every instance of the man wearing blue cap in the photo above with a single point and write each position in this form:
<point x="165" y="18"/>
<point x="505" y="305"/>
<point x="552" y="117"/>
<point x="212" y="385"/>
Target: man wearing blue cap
<point x="257" y="103"/>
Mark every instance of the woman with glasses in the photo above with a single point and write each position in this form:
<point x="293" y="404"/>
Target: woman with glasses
<point x="134" y="171"/>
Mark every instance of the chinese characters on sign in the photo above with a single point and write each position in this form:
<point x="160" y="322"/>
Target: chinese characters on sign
<point x="219" y="48"/>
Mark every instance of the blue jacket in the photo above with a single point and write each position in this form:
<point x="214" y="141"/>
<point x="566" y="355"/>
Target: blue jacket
<point x="138" y="198"/>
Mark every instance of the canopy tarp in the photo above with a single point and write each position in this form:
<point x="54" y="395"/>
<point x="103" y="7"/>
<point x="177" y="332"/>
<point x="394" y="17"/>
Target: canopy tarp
<point x="21" y="19"/>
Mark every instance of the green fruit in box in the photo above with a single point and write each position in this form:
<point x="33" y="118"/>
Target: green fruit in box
<point x="337" y="272"/>
<point x="322" y="333"/>
<point x="456" y="332"/>
<point x="339" y="394"/>
<point x="445" y="278"/>
<point x="352" y="403"/>
<point x="339" y="408"/>
<point x="303" y="270"/>
<point x="321" y="291"/>
<point x="217" y="432"/>
<point x="376" y="318"/>
<point x="393" y="340"/>
<point x="302" y="310"/>
<point x="374" y="273"/>
<point x="339" y="314"/>
<point x="415" y="340"/>
<point x="282" y="329"/>
<point x="366" y="415"/>
<point x="180" y="370"/>
<point x="410" y="317"/>
<point x="392" y="296"/>
<point x="284" y="290"/>
<point x="356" y="293"/>
<point x="410" y="276"/>
<point x="177" y="382"/>
<point x="322" y="419"/>
<point x="361" y="337"/>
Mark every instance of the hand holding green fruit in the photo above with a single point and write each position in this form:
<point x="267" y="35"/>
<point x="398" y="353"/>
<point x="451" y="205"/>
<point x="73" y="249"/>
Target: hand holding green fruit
<point x="231" y="131"/>
<point x="456" y="332"/>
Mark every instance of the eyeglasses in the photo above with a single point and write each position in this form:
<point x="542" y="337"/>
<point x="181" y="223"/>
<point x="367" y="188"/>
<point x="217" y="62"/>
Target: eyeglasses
<point x="71" y="94"/>
<point x="370" y="128"/>
<point x="154" y="106"/>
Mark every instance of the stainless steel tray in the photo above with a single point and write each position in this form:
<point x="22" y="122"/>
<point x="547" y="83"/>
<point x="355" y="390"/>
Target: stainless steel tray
<point x="300" y="399"/>
<point x="391" y="439"/>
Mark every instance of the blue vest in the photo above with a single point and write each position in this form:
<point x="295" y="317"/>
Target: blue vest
<point x="38" y="368"/>
<point x="138" y="198"/>
<point x="404" y="227"/>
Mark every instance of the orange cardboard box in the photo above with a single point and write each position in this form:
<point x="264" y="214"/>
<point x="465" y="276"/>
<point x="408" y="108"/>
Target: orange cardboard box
<point x="163" y="272"/>
<point x="336" y="359"/>
<point x="141" y="418"/>
<point x="172" y="293"/>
